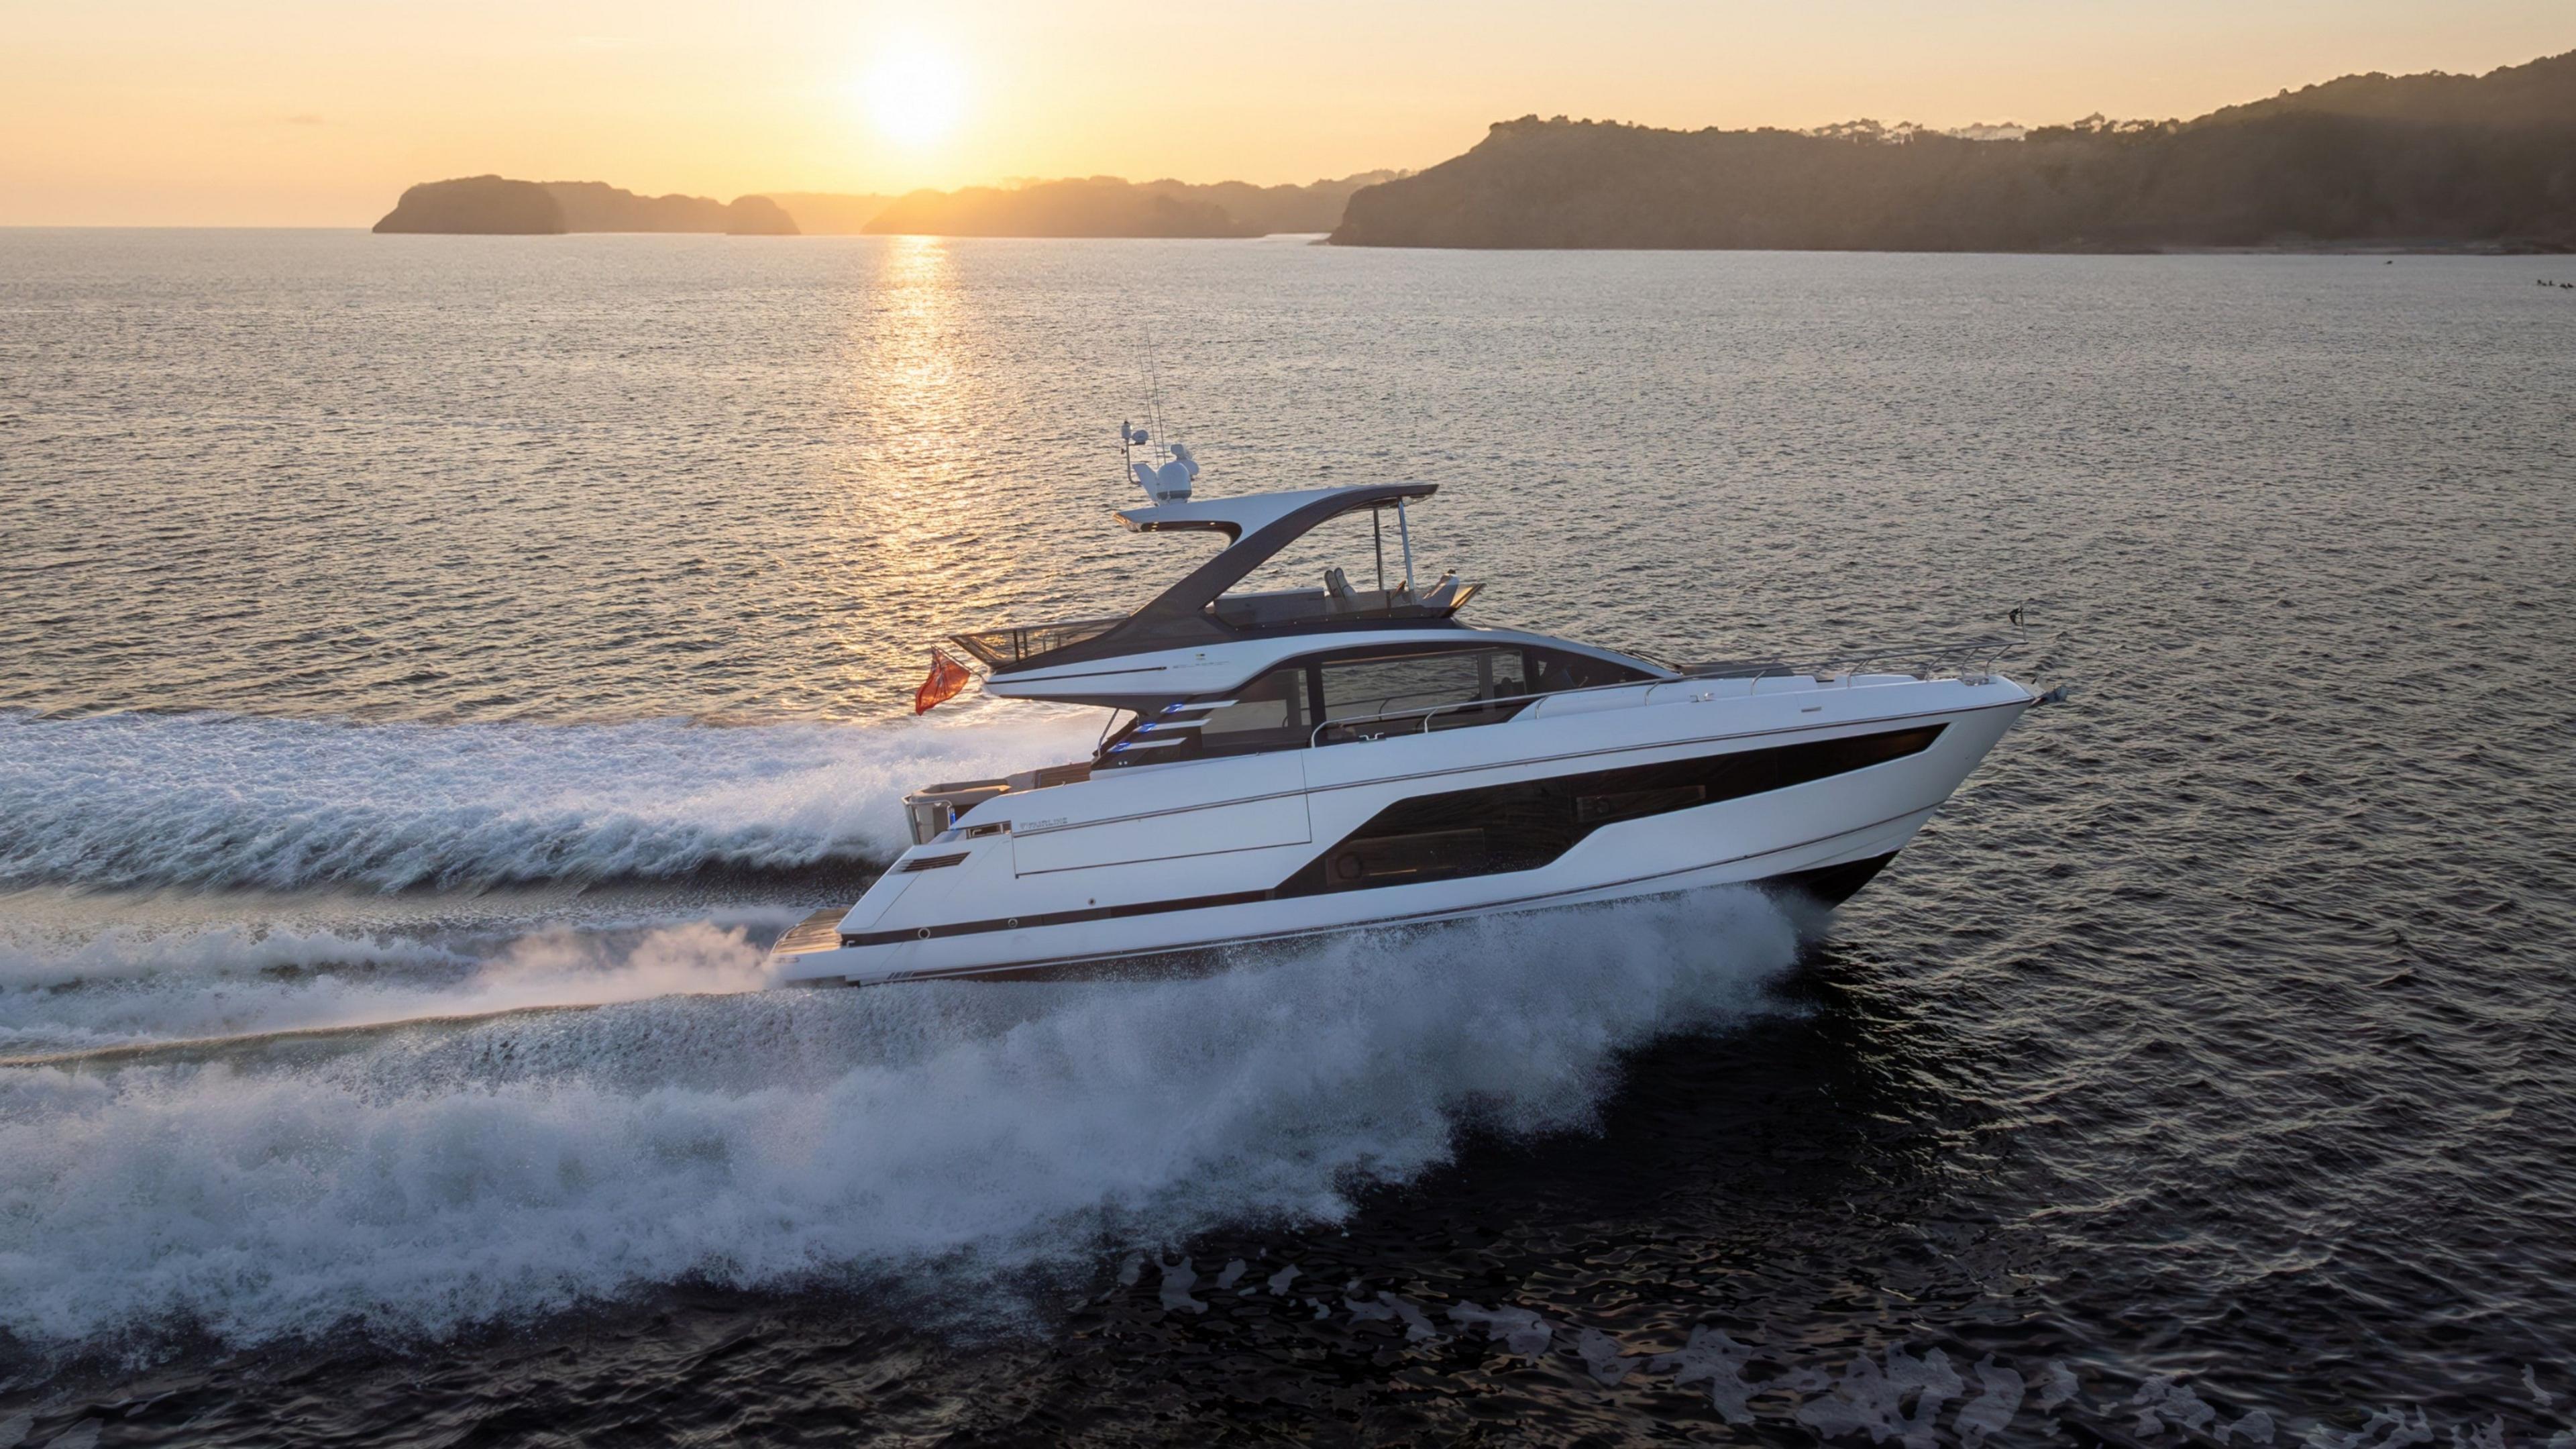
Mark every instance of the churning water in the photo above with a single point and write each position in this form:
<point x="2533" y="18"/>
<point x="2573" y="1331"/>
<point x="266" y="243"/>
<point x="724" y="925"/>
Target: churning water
<point x="432" y="669"/>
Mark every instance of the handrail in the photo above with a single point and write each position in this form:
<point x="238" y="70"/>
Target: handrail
<point x="1970" y="657"/>
<point x="1007" y="644"/>
<point x="1314" y="737"/>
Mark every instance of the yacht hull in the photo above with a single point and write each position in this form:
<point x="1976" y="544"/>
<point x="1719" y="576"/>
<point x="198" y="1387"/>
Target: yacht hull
<point x="1673" y="786"/>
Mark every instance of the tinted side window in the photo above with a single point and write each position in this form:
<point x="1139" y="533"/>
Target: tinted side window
<point x="1270" y="713"/>
<point x="1358" y="690"/>
<point x="1554" y="671"/>
<point x="1493" y="829"/>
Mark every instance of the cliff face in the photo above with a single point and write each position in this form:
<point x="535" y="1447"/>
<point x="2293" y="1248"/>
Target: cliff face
<point x="2414" y="159"/>
<point x="493" y="205"/>
<point x="476" y="205"/>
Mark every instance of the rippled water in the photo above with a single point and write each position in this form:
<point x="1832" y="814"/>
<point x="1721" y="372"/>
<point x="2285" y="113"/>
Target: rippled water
<point x="431" y="669"/>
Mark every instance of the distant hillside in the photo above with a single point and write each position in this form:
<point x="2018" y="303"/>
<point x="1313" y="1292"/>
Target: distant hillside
<point x="492" y="205"/>
<point x="2487" y="160"/>
<point x="2540" y="93"/>
<point x="826" y="213"/>
<point x="1265" y="210"/>
<point x="476" y="205"/>
<point x="1111" y="206"/>
<point x="598" y="206"/>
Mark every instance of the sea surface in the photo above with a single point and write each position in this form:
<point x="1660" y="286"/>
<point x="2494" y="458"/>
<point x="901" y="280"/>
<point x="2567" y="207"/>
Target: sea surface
<point x="433" y="668"/>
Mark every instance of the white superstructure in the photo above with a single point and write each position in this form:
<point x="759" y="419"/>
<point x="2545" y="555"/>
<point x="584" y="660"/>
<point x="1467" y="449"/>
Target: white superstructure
<point x="1330" y="758"/>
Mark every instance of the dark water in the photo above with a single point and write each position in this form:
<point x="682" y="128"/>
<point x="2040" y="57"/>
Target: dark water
<point x="434" y="667"/>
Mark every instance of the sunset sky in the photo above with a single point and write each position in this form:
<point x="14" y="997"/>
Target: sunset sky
<point x="318" y="112"/>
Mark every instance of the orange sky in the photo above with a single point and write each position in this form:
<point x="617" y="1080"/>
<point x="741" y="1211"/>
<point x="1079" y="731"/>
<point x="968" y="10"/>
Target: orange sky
<point x="318" y="112"/>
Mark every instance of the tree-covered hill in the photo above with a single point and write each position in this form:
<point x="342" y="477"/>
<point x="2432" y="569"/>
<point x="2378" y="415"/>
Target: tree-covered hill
<point x="2432" y="159"/>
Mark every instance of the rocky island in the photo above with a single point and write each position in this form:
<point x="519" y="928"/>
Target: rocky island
<point x="1098" y="206"/>
<point x="498" y="206"/>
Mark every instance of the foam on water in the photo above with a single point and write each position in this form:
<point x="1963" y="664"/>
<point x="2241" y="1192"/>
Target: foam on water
<point x="205" y="800"/>
<point x="36" y="960"/>
<point x="117" y="990"/>
<point x="529" y="1164"/>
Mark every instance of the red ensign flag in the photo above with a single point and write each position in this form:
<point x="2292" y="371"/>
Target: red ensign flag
<point x="947" y="676"/>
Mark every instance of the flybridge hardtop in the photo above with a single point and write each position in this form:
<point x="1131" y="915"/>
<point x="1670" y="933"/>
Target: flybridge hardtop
<point x="1326" y="758"/>
<point x="1039" y="661"/>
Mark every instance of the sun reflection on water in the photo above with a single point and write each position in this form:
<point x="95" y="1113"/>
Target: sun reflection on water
<point x="909" y="560"/>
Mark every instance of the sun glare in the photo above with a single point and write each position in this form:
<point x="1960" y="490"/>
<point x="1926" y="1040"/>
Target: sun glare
<point x="915" y="93"/>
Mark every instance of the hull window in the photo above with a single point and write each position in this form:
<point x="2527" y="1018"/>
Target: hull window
<point x="1499" y="828"/>
<point x="1618" y="805"/>
<point x="1396" y="859"/>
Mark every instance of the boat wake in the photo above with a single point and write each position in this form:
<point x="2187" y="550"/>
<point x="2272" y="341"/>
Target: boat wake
<point x="227" y="802"/>
<point x="425" y="1174"/>
<point x="131" y="996"/>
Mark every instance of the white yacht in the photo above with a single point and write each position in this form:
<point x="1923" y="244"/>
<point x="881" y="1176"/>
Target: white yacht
<point x="1294" y="762"/>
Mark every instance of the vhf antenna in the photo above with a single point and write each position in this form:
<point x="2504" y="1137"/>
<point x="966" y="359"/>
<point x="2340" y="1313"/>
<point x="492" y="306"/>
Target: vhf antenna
<point x="1154" y="391"/>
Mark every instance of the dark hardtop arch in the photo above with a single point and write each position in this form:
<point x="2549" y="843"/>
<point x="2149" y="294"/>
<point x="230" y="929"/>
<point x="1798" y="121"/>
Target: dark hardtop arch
<point x="1178" y="616"/>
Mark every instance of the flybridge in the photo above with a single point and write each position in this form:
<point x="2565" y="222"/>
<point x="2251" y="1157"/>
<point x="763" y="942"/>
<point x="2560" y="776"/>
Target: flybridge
<point x="1198" y="611"/>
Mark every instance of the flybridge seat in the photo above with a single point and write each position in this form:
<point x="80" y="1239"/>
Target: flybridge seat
<point x="1280" y="607"/>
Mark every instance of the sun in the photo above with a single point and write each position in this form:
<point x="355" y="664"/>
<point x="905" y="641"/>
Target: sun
<point x="915" y="92"/>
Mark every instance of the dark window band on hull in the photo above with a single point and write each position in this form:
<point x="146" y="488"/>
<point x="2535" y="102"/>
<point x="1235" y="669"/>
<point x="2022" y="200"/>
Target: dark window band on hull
<point x="1495" y="829"/>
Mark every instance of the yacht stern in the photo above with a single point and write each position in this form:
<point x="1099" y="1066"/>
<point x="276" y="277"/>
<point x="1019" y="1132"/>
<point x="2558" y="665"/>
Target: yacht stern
<point x="812" y="936"/>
